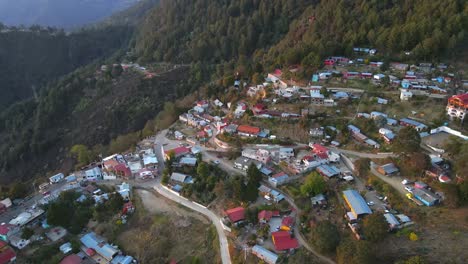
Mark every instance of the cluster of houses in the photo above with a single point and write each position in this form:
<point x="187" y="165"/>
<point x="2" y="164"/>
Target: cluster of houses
<point x="11" y="232"/>
<point x="411" y="78"/>
<point x="280" y="231"/>
<point x="265" y="157"/>
<point x="140" y="165"/>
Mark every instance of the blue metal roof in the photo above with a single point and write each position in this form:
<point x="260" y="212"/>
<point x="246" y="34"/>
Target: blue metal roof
<point x="91" y="240"/>
<point x="356" y="202"/>
<point x="264" y="253"/>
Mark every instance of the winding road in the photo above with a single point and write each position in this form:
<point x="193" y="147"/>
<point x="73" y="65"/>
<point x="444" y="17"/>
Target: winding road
<point x="160" y="140"/>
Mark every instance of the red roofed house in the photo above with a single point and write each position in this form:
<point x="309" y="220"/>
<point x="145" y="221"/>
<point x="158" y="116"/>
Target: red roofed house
<point x="71" y="259"/>
<point x="288" y="221"/>
<point x="123" y="170"/>
<point x="6" y="230"/>
<point x="264" y="216"/>
<point x="320" y="151"/>
<point x="7" y="254"/>
<point x="178" y="152"/>
<point x="457" y="106"/>
<point x="236" y="214"/>
<point x="259" y="109"/>
<point x="284" y="241"/>
<point x="248" y="131"/>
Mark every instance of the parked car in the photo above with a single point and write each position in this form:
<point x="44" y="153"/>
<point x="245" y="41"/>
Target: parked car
<point x="370" y="203"/>
<point x="409" y="189"/>
<point x="405" y="181"/>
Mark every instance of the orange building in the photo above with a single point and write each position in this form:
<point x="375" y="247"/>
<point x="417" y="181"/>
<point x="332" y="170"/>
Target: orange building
<point x="457" y="106"/>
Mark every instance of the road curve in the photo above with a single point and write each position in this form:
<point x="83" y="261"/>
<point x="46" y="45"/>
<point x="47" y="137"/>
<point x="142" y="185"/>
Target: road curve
<point x="223" y="242"/>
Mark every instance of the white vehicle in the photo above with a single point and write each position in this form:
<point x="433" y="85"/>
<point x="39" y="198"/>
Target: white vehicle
<point x="370" y="203"/>
<point x="405" y="181"/>
<point x="409" y="189"/>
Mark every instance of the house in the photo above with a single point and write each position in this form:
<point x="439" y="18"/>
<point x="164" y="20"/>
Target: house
<point x="121" y="259"/>
<point x="264" y="254"/>
<point x="236" y="215"/>
<point x="287" y="223"/>
<point x="122" y="170"/>
<point x="66" y="248"/>
<point x="6" y="230"/>
<point x="328" y="171"/>
<point x="260" y="155"/>
<point x="356" y="203"/>
<point x="319" y="200"/>
<point x="93" y="174"/>
<point x="286" y="153"/>
<point x="56" y="178"/>
<point x="320" y="151"/>
<point x="248" y="131"/>
<point x="388" y="169"/>
<point x="71" y="259"/>
<point x="150" y="161"/>
<point x="405" y="95"/>
<point x="379" y="76"/>
<point x="181" y="178"/>
<point x="278" y="179"/>
<point x="415" y="124"/>
<point x="457" y="106"/>
<point x="177" y="152"/>
<point x="135" y="166"/>
<point x="264" y="216"/>
<point x="392" y="221"/>
<point x="283" y="241"/>
<point x="427" y="197"/>
<point x="188" y="161"/>
<point x="243" y="163"/>
<point x="382" y="101"/>
<point x="230" y="129"/>
<point x="124" y="190"/>
<point x="7" y="254"/>
<point x="276" y="196"/>
<point x="95" y="244"/>
<point x="402" y="67"/>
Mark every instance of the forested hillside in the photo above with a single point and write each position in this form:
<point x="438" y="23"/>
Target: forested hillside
<point x="215" y="31"/>
<point x="429" y="30"/>
<point x="31" y="57"/>
<point x="185" y="30"/>
<point x="88" y="107"/>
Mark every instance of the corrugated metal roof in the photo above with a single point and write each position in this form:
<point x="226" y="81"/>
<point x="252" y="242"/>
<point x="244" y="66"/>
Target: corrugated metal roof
<point x="356" y="202"/>
<point x="265" y="254"/>
<point x="91" y="240"/>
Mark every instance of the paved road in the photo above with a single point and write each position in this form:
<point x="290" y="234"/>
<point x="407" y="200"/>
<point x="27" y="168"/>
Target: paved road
<point x="160" y="140"/>
<point x="394" y="181"/>
<point x="223" y="242"/>
<point x="363" y="154"/>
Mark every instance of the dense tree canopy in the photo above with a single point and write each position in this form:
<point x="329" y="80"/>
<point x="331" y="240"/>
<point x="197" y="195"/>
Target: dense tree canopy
<point x="314" y="184"/>
<point x="375" y="227"/>
<point x="407" y="141"/>
<point x="325" y="236"/>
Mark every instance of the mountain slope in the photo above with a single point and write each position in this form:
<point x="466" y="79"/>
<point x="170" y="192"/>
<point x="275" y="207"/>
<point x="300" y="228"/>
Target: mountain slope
<point x="59" y="13"/>
<point x="30" y="58"/>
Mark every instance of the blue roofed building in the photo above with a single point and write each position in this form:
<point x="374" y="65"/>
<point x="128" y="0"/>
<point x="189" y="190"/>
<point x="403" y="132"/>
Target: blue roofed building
<point x="356" y="203"/>
<point x="415" y="124"/>
<point x="264" y="254"/>
<point x="99" y="245"/>
<point x="328" y="171"/>
<point x="121" y="259"/>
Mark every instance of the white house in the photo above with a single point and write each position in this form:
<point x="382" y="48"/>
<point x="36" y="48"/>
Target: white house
<point x="405" y="95"/>
<point x="286" y="153"/>
<point x="93" y="174"/>
<point x="56" y="178"/>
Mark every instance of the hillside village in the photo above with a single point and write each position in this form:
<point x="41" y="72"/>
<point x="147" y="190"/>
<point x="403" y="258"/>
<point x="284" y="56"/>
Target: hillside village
<point x="282" y="164"/>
